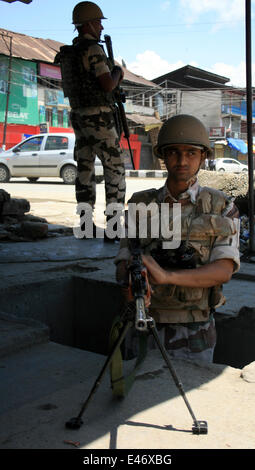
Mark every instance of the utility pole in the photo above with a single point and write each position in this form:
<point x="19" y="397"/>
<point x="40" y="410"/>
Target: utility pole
<point x="8" y="91"/>
<point x="249" y="123"/>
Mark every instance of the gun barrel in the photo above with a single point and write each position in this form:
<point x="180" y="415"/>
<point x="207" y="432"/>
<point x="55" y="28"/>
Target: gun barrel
<point x="140" y="321"/>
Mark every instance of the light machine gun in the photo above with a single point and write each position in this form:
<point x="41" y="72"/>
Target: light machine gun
<point x="119" y="96"/>
<point x="139" y="290"/>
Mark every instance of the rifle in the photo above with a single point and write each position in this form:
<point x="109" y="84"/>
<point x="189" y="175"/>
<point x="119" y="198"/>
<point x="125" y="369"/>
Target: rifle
<point x="139" y="287"/>
<point x="119" y="96"/>
<point x="143" y="322"/>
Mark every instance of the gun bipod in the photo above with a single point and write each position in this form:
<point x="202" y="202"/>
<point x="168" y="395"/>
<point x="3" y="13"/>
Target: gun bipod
<point x="199" y="427"/>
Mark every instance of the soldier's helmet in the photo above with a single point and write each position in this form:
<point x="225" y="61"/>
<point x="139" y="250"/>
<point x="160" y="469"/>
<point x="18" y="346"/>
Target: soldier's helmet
<point x="86" y="11"/>
<point x="182" y="129"/>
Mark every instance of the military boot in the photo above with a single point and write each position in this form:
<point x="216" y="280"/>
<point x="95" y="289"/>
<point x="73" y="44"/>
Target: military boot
<point x="82" y="226"/>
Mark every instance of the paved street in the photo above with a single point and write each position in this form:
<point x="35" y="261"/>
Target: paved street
<point x="52" y="199"/>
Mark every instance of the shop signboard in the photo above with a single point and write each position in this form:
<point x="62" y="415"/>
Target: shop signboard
<point x="23" y="100"/>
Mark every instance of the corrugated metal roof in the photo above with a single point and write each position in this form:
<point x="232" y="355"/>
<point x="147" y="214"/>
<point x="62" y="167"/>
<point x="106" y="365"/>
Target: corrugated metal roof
<point x="22" y="1"/>
<point x="141" y="119"/>
<point x="31" y="48"/>
<point x="137" y="79"/>
<point x="28" y="47"/>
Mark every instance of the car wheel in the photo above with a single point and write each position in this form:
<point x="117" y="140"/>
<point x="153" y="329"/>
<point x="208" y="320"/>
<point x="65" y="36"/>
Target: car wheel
<point x="245" y="170"/>
<point x="222" y="170"/>
<point x="68" y="174"/>
<point x="32" y="180"/>
<point x="4" y="174"/>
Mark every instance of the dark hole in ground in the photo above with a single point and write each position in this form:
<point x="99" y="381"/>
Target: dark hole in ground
<point x="79" y="313"/>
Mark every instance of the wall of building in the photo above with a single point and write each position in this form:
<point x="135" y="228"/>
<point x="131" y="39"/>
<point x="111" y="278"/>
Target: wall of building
<point x="30" y="103"/>
<point x="205" y="105"/>
<point x="23" y="98"/>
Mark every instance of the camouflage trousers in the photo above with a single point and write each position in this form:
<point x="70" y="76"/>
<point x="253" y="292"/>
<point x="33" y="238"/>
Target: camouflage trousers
<point x="96" y="135"/>
<point x="192" y="341"/>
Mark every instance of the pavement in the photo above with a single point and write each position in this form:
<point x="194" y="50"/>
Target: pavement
<point x="44" y="383"/>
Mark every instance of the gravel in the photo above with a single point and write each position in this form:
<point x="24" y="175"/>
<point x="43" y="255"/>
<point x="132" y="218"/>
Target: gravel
<point x="231" y="183"/>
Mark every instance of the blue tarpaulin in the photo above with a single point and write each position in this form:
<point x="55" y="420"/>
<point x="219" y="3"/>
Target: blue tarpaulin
<point x="238" y="144"/>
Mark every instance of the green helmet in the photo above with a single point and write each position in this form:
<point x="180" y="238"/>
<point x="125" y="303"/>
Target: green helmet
<point x="182" y="129"/>
<point x="87" y="11"/>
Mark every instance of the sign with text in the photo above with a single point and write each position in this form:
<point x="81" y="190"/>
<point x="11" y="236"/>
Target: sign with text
<point x="50" y="71"/>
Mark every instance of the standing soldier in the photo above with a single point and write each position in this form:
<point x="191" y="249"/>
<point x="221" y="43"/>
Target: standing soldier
<point x="89" y="82"/>
<point x="186" y="280"/>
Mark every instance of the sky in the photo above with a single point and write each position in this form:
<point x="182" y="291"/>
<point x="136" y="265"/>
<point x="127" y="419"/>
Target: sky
<point x="153" y="37"/>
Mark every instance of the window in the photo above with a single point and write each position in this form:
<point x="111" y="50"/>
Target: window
<point x="49" y="116"/>
<point x="55" y="142"/>
<point x="31" y="145"/>
<point x="60" y="118"/>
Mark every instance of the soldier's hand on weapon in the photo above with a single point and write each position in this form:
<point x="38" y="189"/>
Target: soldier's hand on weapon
<point x="123" y="278"/>
<point x="139" y="286"/>
<point x="157" y="275"/>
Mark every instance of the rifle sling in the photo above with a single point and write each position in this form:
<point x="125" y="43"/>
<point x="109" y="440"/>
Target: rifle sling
<point x="121" y="384"/>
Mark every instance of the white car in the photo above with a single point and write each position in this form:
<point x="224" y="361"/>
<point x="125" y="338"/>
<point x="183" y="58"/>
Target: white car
<point x="230" y="165"/>
<point x="43" y="155"/>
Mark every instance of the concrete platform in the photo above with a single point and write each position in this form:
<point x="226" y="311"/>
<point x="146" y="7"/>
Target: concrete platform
<point x="43" y="384"/>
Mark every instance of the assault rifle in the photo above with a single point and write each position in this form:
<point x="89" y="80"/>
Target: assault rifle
<point x="119" y="96"/>
<point x="139" y="287"/>
<point x="143" y="322"/>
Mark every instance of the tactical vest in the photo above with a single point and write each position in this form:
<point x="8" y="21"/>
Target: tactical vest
<point x="201" y="223"/>
<point x="79" y="85"/>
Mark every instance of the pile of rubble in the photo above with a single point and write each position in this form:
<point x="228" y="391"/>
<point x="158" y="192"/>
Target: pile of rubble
<point x="235" y="185"/>
<point x="16" y="224"/>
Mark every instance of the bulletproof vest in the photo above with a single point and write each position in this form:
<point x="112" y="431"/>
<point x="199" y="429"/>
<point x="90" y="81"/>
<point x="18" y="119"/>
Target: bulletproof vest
<point x="201" y="223"/>
<point x="79" y="85"/>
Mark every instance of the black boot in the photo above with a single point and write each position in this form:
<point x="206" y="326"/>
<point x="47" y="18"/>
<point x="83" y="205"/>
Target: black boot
<point x="94" y="228"/>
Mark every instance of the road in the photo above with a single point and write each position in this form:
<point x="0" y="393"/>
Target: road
<point x="55" y="201"/>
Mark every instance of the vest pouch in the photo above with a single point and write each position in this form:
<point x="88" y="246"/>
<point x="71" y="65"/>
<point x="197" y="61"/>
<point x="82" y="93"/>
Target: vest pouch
<point x="216" y="297"/>
<point x="189" y="294"/>
<point x="208" y="225"/>
<point x="162" y="295"/>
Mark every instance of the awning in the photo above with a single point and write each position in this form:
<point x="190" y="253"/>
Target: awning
<point x="144" y="120"/>
<point x="238" y="144"/>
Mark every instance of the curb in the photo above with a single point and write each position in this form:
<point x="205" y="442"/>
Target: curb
<point x="20" y="333"/>
<point x="146" y="173"/>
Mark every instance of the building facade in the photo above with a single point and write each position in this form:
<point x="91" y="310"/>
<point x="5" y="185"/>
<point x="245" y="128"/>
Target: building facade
<point x="221" y="108"/>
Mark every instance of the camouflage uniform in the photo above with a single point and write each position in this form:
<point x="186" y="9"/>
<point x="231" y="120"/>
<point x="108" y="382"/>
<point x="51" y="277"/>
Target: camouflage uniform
<point x="96" y="134"/>
<point x="184" y="315"/>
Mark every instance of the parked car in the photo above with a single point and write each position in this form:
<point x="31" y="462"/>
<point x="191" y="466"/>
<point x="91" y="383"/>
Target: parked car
<point x="43" y="155"/>
<point x="231" y="165"/>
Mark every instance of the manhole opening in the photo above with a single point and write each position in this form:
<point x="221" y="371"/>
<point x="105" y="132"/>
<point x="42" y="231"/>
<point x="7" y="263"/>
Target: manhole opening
<point x="79" y="313"/>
